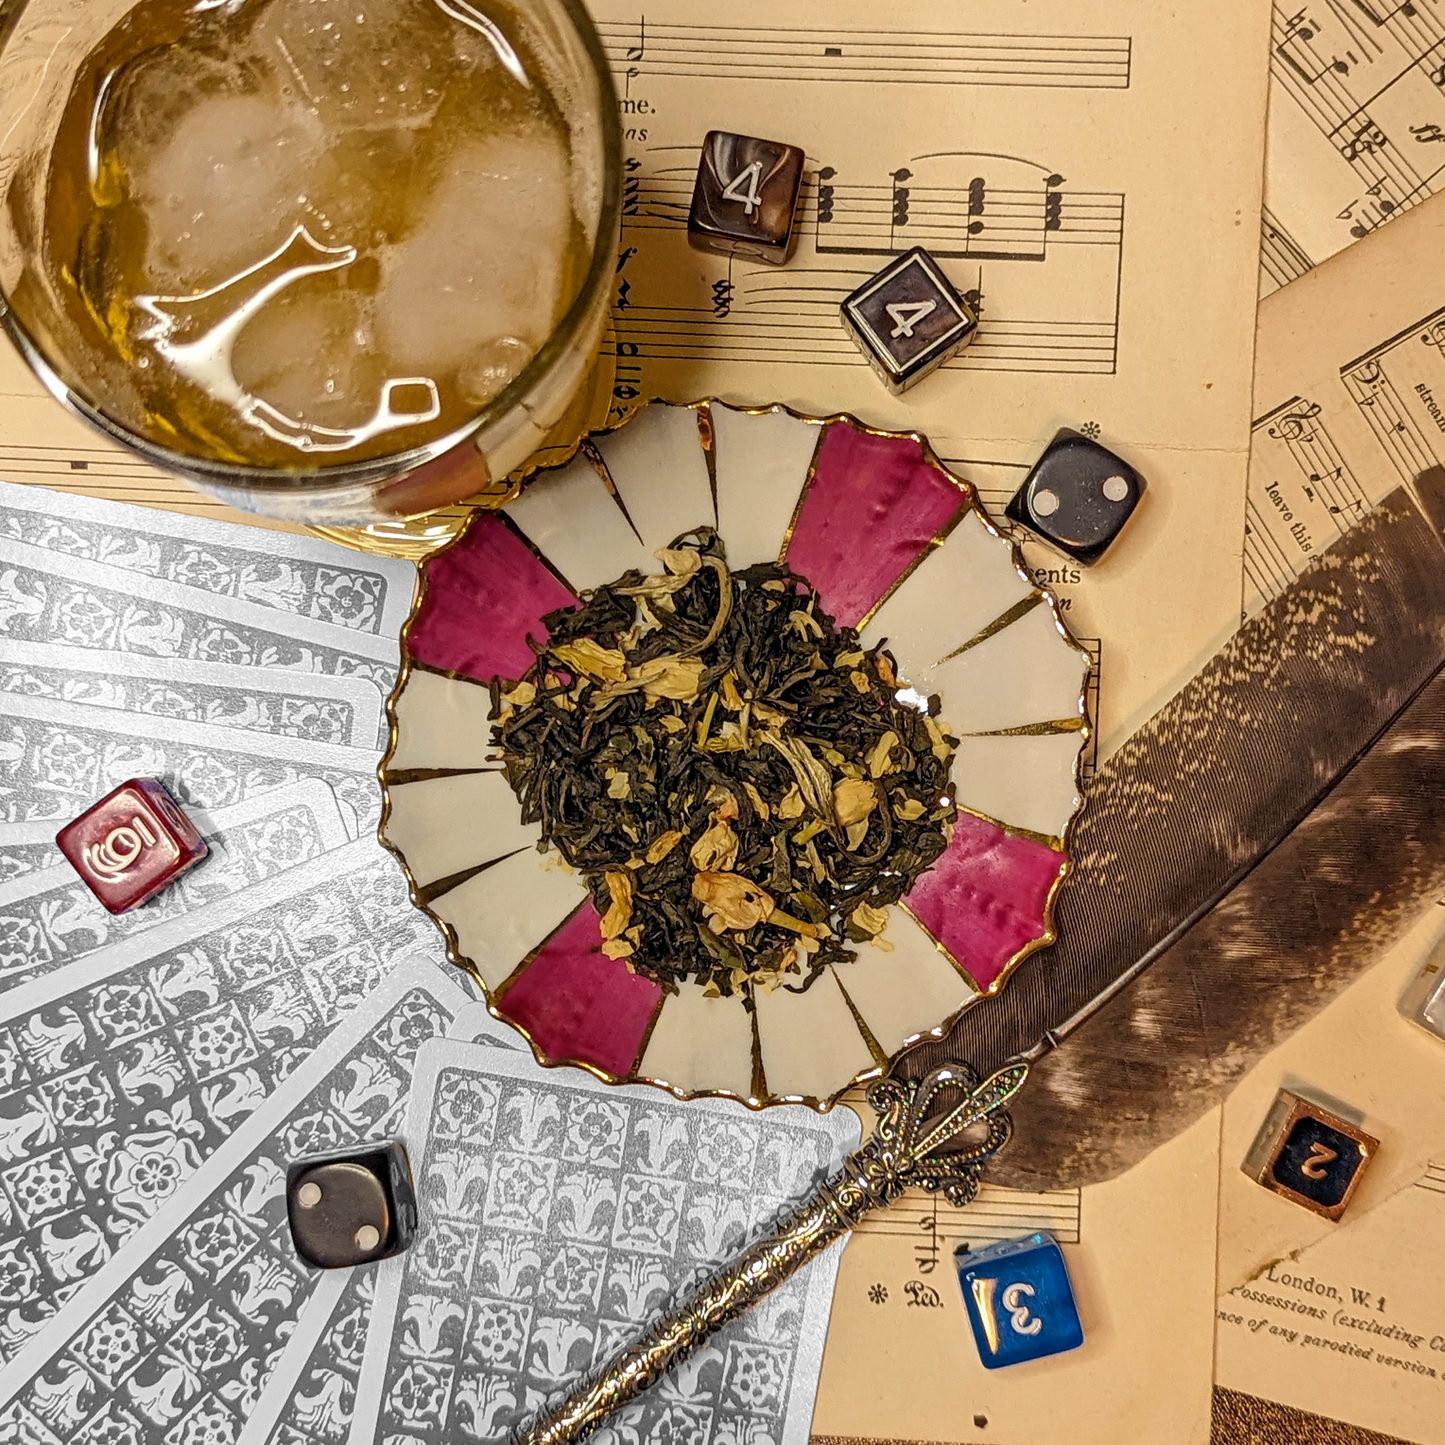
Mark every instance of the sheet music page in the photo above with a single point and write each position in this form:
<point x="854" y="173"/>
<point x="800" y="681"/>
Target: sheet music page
<point x="1356" y="125"/>
<point x="1349" y="396"/>
<point x="1078" y="181"/>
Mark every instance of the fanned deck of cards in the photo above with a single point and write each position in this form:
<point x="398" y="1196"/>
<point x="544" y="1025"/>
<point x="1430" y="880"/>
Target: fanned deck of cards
<point x="159" y="1069"/>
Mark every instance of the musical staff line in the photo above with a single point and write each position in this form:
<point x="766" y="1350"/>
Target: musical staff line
<point x="873" y="57"/>
<point x="995" y="1214"/>
<point x="1302" y="496"/>
<point x="1281" y="258"/>
<point x="1370" y="80"/>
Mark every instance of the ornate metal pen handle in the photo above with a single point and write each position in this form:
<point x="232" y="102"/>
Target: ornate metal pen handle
<point x="910" y="1147"/>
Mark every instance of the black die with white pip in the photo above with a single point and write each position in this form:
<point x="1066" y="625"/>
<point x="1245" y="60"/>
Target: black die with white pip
<point x="1078" y="497"/>
<point x="908" y="319"/>
<point x="745" y="197"/>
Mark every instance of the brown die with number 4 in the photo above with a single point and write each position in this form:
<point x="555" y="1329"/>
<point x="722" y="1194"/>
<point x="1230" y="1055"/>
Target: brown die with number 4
<point x="745" y="197"/>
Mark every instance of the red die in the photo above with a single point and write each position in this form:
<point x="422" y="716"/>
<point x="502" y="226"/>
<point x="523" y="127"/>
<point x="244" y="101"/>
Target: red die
<point x="131" y="844"/>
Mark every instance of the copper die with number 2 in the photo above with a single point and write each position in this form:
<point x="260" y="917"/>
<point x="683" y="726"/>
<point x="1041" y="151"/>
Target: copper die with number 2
<point x="908" y="320"/>
<point x="745" y="197"/>
<point x="1308" y="1155"/>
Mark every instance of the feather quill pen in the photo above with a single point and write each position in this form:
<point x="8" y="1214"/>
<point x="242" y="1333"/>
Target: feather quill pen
<point x="1241" y="859"/>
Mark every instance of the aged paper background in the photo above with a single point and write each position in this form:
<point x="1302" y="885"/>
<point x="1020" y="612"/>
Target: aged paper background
<point x="1073" y="167"/>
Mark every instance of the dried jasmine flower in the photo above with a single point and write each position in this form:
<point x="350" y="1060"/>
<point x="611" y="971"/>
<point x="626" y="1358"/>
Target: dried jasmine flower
<point x="730" y="772"/>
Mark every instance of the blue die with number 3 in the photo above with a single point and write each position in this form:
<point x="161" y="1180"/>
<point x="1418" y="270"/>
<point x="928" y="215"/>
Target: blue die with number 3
<point x="1019" y="1300"/>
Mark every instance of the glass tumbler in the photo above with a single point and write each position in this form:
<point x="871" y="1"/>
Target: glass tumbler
<point x="43" y="45"/>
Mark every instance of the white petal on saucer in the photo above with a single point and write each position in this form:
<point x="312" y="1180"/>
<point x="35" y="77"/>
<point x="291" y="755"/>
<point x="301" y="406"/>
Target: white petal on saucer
<point x="760" y="462"/>
<point x="658" y="466"/>
<point x="906" y="992"/>
<point x="954" y="594"/>
<point x="701" y="1043"/>
<point x="505" y="911"/>
<point x="1024" y="674"/>
<point x="810" y="1043"/>
<point x="441" y="723"/>
<point x="444" y="825"/>
<point x="575" y="523"/>
<point x="1024" y="782"/>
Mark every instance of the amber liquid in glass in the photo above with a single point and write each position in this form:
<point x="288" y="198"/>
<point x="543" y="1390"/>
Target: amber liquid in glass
<point x="300" y="232"/>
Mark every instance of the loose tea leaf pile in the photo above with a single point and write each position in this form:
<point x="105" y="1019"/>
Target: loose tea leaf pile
<point x="732" y="773"/>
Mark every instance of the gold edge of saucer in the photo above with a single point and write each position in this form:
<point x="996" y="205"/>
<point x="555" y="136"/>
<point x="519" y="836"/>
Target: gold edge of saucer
<point x="412" y="538"/>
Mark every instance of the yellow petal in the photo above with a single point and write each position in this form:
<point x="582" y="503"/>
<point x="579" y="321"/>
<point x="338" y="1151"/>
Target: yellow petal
<point x="760" y="803"/>
<point x="853" y="800"/>
<point x="617" y="948"/>
<point x="619" y="785"/>
<point x="792" y="804"/>
<point x="860" y="683"/>
<point x="680" y="561"/>
<point x="878" y="759"/>
<point x="730" y="900"/>
<point x="589" y="657"/>
<point x="941" y="749"/>
<point x="848" y="659"/>
<point x="717" y="850"/>
<point x="870" y="919"/>
<point x="672" y="723"/>
<point x="662" y="845"/>
<point x="523" y="695"/>
<point x="909" y="810"/>
<point x="617" y="917"/>
<point x="672" y="677"/>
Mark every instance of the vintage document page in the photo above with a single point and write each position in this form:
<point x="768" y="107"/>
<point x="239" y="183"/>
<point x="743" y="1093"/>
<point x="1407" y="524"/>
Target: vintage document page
<point x="1349" y="396"/>
<point x="1356" y="122"/>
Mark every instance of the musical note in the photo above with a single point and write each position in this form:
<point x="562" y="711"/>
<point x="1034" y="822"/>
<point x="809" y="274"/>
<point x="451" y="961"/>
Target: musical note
<point x="900" y="196"/>
<point x="1053" y="204"/>
<point x="1366" y="140"/>
<point x="1425" y="134"/>
<point x="976" y="192"/>
<point x="636" y="52"/>
<point x="825" y="195"/>
<point x="722" y="298"/>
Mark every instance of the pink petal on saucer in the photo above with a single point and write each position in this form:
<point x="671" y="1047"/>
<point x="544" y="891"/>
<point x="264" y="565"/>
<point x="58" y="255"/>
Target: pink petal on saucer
<point x="484" y="594"/>
<point x="987" y="897"/>
<point x="871" y="510"/>
<point x="576" y="1004"/>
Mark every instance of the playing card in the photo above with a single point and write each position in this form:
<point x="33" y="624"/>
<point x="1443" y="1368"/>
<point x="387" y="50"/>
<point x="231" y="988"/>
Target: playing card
<point x="48" y="915"/>
<point x="300" y="576"/>
<point x="48" y="596"/>
<point x="57" y="758"/>
<point x="307" y="705"/>
<point x="310" y="1394"/>
<point x="558" y="1215"/>
<point x="121" y="1072"/>
<point x="173" y="1338"/>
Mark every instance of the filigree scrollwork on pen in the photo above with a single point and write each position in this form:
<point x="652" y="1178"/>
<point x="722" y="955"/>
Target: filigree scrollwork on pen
<point x="935" y="1133"/>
